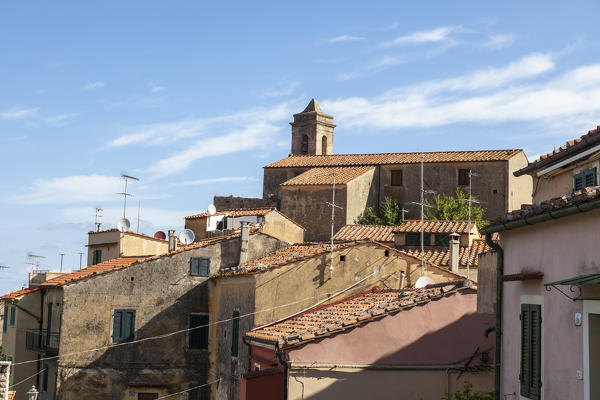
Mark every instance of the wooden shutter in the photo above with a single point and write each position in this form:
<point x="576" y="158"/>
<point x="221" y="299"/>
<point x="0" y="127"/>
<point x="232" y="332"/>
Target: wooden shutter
<point x="590" y="177"/>
<point x="49" y="324"/>
<point x="413" y="239"/>
<point x="5" y="321"/>
<point x="13" y="313"/>
<point x="531" y="350"/>
<point x="117" y="323"/>
<point x="198" y="338"/>
<point x="96" y="257"/>
<point x="578" y="181"/>
<point x="199" y="266"/>
<point x="235" y="333"/>
<point x="128" y="328"/>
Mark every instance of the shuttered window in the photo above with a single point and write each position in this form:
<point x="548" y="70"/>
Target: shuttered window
<point x="123" y="326"/>
<point x="96" y="257"/>
<point x="414" y="239"/>
<point x="235" y="337"/>
<point x="396" y="177"/>
<point x="585" y="179"/>
<point x="198" y="337"/>
<point x="199" y="266"/>
<point x="5" y="319"/>
<point x="13" y="315"/>
<point x="202" y="393"/>
<point x="531" y="340"/>
<point x="442" y="240"/>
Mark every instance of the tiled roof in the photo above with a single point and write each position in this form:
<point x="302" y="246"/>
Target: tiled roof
<point x="286" y="255"/>
<point x="322" y="176"/>
<point x="578" y="198"/>
<point x="326" y="320"/>
<point x="339" y="160"/>
<point x="440" y="256"/>
<point x="569" y="148"/>
<point x="18" y="294"/>
<point x="237" y="212"/>
<point x="98" y="269"/>
<point x="385" y="233"/>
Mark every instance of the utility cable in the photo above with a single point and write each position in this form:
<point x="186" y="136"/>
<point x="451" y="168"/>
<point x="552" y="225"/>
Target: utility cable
<point x="188" y="390"/>
<point x="26" y="379"/>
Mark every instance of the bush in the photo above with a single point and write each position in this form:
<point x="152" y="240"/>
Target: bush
<point x="466" y="394"/>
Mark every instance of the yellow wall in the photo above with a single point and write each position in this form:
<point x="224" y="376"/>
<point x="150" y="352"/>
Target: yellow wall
<point x="114" y="244"/>
<point x="282" y="228"/>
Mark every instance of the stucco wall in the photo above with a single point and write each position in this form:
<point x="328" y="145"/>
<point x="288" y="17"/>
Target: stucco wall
<point x="273" y="177"/>
<point x="560" y="184"/>
<point x="486" y="283"/>
<point x="519" y="188"/>
<point x="114" y="243"/>
<point x="561" y="249"/>
<point x="282" y="228"/>
<point x="362" y="193"/>
<point x="307" y="206"/>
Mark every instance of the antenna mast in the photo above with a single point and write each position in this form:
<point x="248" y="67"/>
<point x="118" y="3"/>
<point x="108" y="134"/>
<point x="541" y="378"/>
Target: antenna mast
<point x="96" y="221"/>
<point x="125" y="194"/>
<point x="62" y="255"/>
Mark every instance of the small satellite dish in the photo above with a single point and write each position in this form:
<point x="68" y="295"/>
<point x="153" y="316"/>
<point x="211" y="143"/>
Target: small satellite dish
<point x="186" y="237"/>
<point x="212" y="210"/>
<point x="160" y="235"/>
<point x="423" y="281"/>
<point x="123" y="225"/>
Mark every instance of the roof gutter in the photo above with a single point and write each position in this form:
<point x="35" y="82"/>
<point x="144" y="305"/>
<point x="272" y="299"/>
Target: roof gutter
<point x="569" y="160"/>
<point x="547" y="216"/>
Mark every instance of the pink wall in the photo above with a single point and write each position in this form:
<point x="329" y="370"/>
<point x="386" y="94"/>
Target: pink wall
<point x="561" y="249"/>
<point x="442" y="331"/>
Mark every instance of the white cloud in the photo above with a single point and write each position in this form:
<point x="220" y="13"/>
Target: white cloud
<point x="219" y="180"/>
<point x="344" y="38"/>
<point x="59" y="118"/>
<point x="283" y="90"/>
<point x="156" y="88"/>
<point x="93" y="85"/>
<point x="492" y="95"/>
<point x="19" y="113"/>
<point x="429" y="36"/>
<point x="500" y="41"/>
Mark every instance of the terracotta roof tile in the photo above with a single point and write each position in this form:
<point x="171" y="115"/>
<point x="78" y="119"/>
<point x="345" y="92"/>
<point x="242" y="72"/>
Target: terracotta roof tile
<point x="18" y="294"/>
<point x="98" y="269"/>
<point x="440" y="256"/>
<point x="322" y="176"/>
<point x="569" y="148"/>
<point x="236" y="212"/>
<point x="359" y="309"/>
<point x="337" y="160"/>
<point x="385" y="233"/>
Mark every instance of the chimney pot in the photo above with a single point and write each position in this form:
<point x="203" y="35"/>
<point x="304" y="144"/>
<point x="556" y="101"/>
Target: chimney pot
<point x="172" y="240"/>
<point x="454" y="251"/>
<point x="245" y="236"/>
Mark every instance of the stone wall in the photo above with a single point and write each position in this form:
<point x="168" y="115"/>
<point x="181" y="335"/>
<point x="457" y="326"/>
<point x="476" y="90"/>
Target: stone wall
<point x="230" y="202"/>
<point x="4" y="378"/>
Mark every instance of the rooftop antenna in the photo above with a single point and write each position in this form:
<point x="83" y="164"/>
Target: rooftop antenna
<point x="333" y="207"/>
<point x="470" y="201"/>
<point x="62" y="255"/>
<point x="403" y="211"/>
<point x="422" y="204"/>
<point x="3" y="267"/>
<point x="80" y="256"/>
<point x="96" y="221"/>
<point x="34" y="261"/>
<point x="125" y="194"/>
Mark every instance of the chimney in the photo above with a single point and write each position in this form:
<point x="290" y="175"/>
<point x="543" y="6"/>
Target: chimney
<point x="454" y="251"/>
<point x="244" y="245"/>
<point x="172" y="240"/>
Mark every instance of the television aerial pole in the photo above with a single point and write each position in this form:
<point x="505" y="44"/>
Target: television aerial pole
<point x="124" y="193"/>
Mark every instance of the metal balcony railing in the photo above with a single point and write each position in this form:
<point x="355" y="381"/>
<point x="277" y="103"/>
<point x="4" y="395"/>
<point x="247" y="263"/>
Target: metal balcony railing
<point x="42" y="341"/>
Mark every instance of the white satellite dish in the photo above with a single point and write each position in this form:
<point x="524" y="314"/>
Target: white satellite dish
<point x="423" y="281"/>
<point x="212" y="210"/>
<point x="186" y="237"/>
<point x="123" y="225"/>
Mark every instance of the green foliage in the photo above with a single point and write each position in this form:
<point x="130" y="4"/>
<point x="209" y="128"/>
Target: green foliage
<point x="272" y="196"/>
<point x="389" y="212"/>
<point x="467" y="394"/>
<point x="455" y="208"/>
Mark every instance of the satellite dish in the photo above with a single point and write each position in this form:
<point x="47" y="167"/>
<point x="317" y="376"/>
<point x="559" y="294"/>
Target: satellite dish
<point x="212" y="210"/>
<point x="123" y="225"/>
<point x="186" y="237"/>
<point x="160" y="235"/>
<point x="423" y="281"/>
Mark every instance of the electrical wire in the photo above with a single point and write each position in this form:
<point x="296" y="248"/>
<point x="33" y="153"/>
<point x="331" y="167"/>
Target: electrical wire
<point x="188" y="390"/>
<point x="26" y="379"/>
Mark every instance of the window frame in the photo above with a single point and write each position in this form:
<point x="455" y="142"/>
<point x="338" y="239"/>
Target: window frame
<point x="426" y="239"/>
<point x="96" y="256"/>
<point x="190" y="332"/>
<point x="13" y="315"/>
<point x="399" y="173"/>
<point x="459" y="180"/>
<point x="235" y="333"/>
<point x="199" y="271"/>
<point x="583" y="177"/>
<point x="530" y="363"/>
<point x="304" y="144"/>
<point x="442" y="239"/>
<point x="123" y="339"/>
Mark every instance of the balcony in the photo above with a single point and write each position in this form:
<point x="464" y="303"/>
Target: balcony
<point x="42" y="341"/>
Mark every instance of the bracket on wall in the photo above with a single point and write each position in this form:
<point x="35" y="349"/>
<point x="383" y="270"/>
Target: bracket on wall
<point x="571" y="289"/>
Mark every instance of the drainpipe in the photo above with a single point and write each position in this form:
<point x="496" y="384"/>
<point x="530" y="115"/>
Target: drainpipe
<point x="499" y="295"/>
<point x="41" y="337"/>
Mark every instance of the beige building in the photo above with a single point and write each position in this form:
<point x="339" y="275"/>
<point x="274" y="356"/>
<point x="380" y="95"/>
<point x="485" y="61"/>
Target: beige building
<point x="108" y="244"/>
<point x="382" y="343"/>
<point x="369" y="178"/>
<point x="549" y="279"/>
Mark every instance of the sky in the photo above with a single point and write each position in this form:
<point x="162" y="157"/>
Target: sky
<point x="194" y="98"/>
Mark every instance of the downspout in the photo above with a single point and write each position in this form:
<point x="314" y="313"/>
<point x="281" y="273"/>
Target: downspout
<point x="41" y="323"/>
<point x="499" y="295"/>
<point x="279" y="355"/>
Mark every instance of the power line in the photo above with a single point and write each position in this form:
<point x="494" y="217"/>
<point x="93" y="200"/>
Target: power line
<point x="190" y="389"/>
<point x="34" y="375"/>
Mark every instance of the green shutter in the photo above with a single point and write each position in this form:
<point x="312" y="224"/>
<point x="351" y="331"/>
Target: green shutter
<point x="531" y="350"/>
<point x="198" y="337"/>
<point x="117" y="322"/>
<point x="124" y="326"/>
<point x="96" y="257"/>
<point x="442" y="240"/>
<point x="199" y="266"/>
<point x="49" y="323"/>
<point x="413" y="239"/>
<point x="236" y="333"/>
<point x="13" y="314"/>
<point x="590" y="177"/>
<point x="5" y="322"/>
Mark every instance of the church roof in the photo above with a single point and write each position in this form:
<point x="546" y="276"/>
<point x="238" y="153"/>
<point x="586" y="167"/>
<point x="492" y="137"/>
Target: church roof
<point x="313" y="106"/>
<point x="324" y="176"/>
<point x="341" y="160"/>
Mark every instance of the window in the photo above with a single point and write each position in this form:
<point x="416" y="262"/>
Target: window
<point x="585" y="179"/>
<point x="396" y="177"/>
<point x="202" y="393"/>
<point x="13" y="314"/>
<point x="5" y="319"/>
<point x="342" y="258"/>
<point x="199" y="266"/>
<point x="530" y="376"/>
<point x="463" y="177"/>
<point x="256" y="366"/>
<point x="236" y="333"/>
<point x="442" y="240"/>
<point x="49" y="324"/>
<point x="324" y="145"/>
<point x="123" y="326"/>
<point x="414" y="239"/>
<point x="304" y="144"/>
<point x="198" y="337"/>
<point x="96" y="257"/>
<point x="386" y="253"/>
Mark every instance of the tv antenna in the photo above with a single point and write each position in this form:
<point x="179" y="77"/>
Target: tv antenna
<point x="470" y="201"/>
<point x="62" y="255"/>
<point x="34" y="261"/>
<point x="138" y="219"/>
<point x="96" y="219"/>
<point x="124" y="193"/>
<point x="3" y="267"/>
<point x="333" y="207"/>
<point x="80" y="255"/>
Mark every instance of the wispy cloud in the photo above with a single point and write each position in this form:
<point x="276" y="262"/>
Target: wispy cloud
<point x="19" y="113"/>
<point x="156" y="88"/>
<point x="93" y="85"/>
<point x="500" y="41"/>
<point x="427" y="36"/>
<point x="283" y="90"/>
<point x="60" y="118"/>
<point x="209" y="181"/>
<point x="344" y="38"/>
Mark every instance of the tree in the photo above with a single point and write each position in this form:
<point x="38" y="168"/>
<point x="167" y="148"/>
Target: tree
<point x="455" y="208"/>
<point x="466" y="394"/>
<point x="389" y="212"/>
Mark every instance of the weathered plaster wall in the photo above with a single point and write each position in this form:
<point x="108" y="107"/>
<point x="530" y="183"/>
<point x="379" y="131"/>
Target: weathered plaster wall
<point x="198" y="226"/>
<point x="229" y="202"/>
<point x="282" y="228"/>
<point x="273" y="177"/>
<point x="486" y="283"/>
<point x="164" y="295"/>
<point x="561" y="184"/>
<point x="133" y="245"/>
<point x="549" y="247"/>
<point x="307" y="206"/>
<point x="362" y="193"/>
<point x="519" y="188"/>
<point x="114" y="243"/>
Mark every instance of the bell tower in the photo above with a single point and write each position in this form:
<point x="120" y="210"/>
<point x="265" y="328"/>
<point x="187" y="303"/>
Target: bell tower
<point x="312" y="131"/>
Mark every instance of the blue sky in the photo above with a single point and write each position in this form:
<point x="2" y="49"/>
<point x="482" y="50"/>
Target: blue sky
<point x="194" y="98"/>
